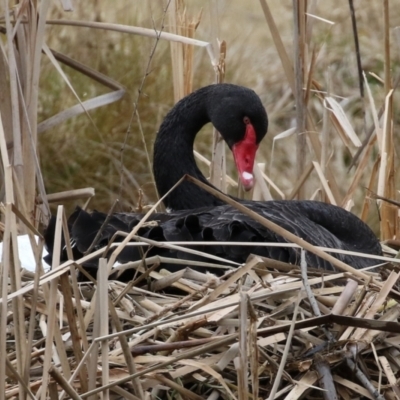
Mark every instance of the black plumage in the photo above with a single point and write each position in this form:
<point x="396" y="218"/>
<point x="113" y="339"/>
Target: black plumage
<point x="196" y="215"/>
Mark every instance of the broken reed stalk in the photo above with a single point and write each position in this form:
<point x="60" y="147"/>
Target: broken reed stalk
<point x="389" y="215"/>
<point x="177" y="58"/>
<point x="218" y="155"/>
<point x="59" y="378"/>
<point x="325" y="378"/>
<point x="182" y="54"/>
<point x="218" y="158"/>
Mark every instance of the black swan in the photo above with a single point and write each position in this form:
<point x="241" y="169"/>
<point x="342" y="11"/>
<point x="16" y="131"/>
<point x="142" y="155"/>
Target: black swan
<point x="196" y="215"/>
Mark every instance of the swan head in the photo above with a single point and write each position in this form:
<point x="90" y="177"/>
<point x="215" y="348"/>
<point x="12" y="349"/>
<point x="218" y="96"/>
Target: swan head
<point x="239" y="115"/>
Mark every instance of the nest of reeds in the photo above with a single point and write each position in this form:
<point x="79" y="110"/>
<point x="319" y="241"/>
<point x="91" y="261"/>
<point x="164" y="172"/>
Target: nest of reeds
<point x="264" y="329"/>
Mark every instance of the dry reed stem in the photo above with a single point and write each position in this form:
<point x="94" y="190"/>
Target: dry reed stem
<point x="325" y="378"/>
<point x="140" y="31"/>
<point x="316" y="145"/>
<point x="324" y="183"/>
<point x="101" y="307"/>
<point x="241" y="362"/>
<point x="299" y="9"/>
<point x="286" y="352"/>
<point x="59" y="378"/>
<point x="286" y="64"/>
<point x="387" y="168"/>
<point x="342" y="123"/>
<point x="68" y="195"/>
<point x="182" y="54"/>
<point x="261" y="191"/>
<point x="218" y="158"/>
<point x="177" y="59"/>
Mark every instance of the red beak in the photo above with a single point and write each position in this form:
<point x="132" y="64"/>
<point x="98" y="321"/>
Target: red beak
<point x="244" y="153"/>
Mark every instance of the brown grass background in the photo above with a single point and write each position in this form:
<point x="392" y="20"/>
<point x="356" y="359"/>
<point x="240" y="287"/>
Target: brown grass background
<point x="80" y="153"/>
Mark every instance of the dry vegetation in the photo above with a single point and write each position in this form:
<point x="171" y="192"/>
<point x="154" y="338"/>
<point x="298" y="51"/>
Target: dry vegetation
<point x="263" y="329"/>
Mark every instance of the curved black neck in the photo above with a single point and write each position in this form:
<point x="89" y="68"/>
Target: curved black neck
<point x="173" y="153"/>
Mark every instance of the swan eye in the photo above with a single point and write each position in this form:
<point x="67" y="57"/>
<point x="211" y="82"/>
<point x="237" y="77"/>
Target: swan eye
<point x="246" y="120"/>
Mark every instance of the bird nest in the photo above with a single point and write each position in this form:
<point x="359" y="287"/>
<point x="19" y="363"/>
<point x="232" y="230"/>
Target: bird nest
<point x="265" y="329"/>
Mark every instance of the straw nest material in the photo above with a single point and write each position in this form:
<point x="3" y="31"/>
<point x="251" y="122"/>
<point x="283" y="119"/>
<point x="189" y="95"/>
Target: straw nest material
<point x="264" y="329"/>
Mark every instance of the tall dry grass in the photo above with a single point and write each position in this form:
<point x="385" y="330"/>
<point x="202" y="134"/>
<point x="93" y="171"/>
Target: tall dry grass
<point x="98" y="160"/>
<point x="81" y="101"/>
